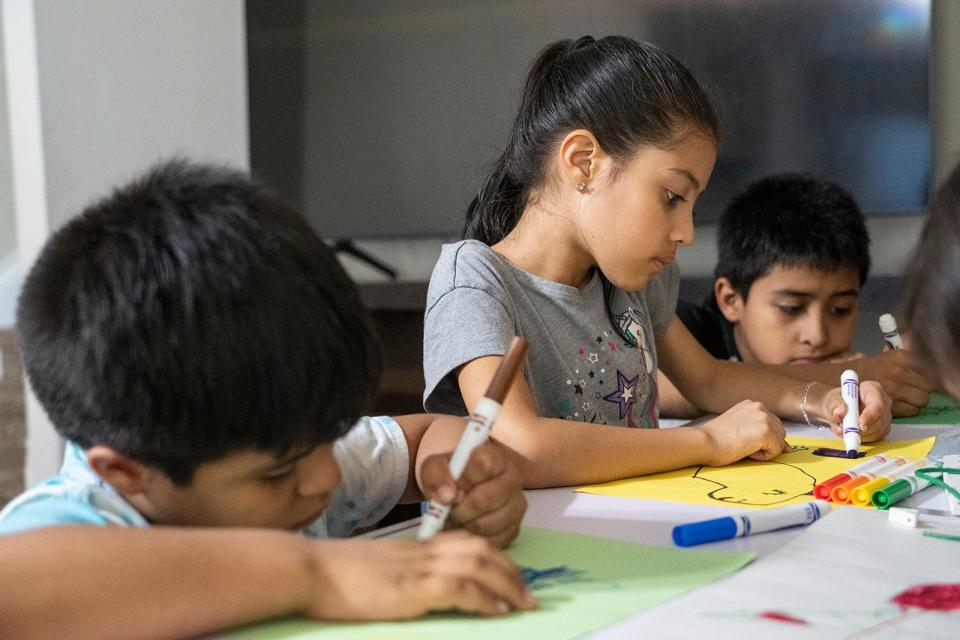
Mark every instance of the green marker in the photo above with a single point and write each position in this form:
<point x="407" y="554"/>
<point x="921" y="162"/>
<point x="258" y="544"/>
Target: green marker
<point x="899" y="489"/>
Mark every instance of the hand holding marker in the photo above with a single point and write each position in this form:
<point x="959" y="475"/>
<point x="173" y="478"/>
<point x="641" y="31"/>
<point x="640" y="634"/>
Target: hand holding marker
<point x="477" y="431"/>
<point x="850" y="391"/>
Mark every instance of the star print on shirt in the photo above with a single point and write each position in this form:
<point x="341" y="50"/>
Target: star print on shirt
<point x="625" y="396"/>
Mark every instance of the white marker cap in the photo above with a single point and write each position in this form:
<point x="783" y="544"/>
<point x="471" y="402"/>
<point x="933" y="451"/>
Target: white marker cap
<point x="888" y="323"/>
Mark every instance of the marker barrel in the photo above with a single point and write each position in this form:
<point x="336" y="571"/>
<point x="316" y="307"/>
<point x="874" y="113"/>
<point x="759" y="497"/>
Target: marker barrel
<point x="822" y="490"/>
<point x="688" y="535"/>
<point x="899" y="489"/>
<point x="843" y="493"/>
<point x="476" y="433"/>
<point x="850" y="391"/>
<point x="862" y="496"/>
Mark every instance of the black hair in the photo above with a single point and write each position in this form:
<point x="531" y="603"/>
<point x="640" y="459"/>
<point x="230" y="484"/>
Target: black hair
<point x="931" y="287"/>
<point x="189" y="315"/>
<point x="628" y="94"/>
<point x="790" y="220"/>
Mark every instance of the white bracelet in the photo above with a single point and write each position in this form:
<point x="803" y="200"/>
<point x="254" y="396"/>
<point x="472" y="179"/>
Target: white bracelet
<point x="803" y="402"/>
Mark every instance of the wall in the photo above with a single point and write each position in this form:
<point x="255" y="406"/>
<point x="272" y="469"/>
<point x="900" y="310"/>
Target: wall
<point x="7" y="228"/>
<point x="97" y="92"/>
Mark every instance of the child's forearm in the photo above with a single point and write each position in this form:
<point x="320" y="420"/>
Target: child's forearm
<point x="555" y="452"/>
<point x="112" y="582"/>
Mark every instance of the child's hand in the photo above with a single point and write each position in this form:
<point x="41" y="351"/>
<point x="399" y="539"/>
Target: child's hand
<point x="902" y="376"/>
<point x="745" y="430"/>
<point x="875" y="413"/>
<point x="487" y="499"/>
<point x="396" y="579"/>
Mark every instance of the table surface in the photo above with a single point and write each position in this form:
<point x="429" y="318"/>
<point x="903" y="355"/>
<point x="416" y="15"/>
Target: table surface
<point x="651" y="521"/>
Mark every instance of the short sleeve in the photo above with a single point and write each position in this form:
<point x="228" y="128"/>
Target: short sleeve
<point x="467" y="317"/>
<point x="661" y="295"/>
<point x="374" y="465"/>
<point x="48" y="511"/>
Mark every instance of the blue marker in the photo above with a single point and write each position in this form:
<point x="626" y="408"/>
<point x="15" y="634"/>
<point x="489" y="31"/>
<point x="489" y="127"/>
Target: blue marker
<point x="794" y="515"/>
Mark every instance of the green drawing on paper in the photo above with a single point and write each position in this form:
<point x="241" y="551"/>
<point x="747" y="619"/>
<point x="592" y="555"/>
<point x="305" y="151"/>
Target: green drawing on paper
<point x="582" y="583"/>
<point x="940" y="409"/>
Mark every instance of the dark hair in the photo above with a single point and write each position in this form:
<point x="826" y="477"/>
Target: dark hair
<point x="628" y="94"/>
<point x="790" y="220"/>
<point x="931" y="288"/>
<point x="189" y="315"/>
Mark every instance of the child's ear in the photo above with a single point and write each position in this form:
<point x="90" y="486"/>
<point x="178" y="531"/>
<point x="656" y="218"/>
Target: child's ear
<point x="581" y="157"/>
<point x="122" y="472"/>
<point x="729" y="300"/>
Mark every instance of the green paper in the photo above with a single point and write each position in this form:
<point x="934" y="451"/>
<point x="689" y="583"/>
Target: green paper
<point x="940" y="409"/>
<point x="600" y="582"/>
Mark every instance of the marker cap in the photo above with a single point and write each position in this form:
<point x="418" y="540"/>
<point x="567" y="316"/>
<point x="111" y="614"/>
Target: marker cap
<point x="887" y="323"/>
<point x="891" y="494"/>
<point x="841" y="493"/>
<point x="862" y="495"/>
<point x="688" y="535"/>
<point x="823" y="489"/>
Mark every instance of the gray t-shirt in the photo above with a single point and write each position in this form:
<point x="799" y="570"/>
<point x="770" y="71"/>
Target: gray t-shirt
<point x="578" y="367"/>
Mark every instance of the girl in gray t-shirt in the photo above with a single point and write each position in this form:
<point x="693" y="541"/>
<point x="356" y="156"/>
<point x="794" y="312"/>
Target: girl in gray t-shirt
<point x="571" y="244"/>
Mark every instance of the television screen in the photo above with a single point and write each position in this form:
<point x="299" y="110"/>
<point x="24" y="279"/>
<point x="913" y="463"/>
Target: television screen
<point x="380" y="118"/>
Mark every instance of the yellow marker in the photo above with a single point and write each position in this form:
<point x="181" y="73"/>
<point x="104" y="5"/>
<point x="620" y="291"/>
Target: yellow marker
<point x="861" y="496"/>
<point x="843" y="493"/>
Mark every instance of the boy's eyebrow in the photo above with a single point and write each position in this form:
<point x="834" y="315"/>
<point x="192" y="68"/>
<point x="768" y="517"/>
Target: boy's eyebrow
<point x="846" y="292"/>
<point x="689" y="176"/>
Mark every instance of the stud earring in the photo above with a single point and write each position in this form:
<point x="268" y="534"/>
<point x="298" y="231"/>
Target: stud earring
<point x="581" y="186"/>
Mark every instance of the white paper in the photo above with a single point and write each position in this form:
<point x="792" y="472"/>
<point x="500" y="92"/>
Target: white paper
<point x="836" y="579"/>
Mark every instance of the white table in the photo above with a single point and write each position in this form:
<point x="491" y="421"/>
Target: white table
<point x="651" y="522"/>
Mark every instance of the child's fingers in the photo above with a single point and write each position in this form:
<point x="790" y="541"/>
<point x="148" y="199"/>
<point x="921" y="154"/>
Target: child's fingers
<point x="497" y="518"/>
<point x="436" y="481"/>
<point x="486" y="461"/>
<point x="470" y="560"/>
<point x="875" y="415"/>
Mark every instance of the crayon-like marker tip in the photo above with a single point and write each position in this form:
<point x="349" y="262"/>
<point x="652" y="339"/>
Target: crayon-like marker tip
<point x="853" y="453"/>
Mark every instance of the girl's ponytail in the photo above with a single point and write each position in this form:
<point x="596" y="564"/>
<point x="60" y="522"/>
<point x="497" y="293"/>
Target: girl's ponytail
<point x="496" y="208"/>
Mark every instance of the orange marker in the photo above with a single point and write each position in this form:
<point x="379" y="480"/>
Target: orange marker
<point x="860" y="496"/>
<point x="822" y="490"/>
<point x="841" y="494"/>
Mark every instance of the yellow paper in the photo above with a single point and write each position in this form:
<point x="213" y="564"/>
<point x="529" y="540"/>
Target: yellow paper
<point x="787" y="480"/>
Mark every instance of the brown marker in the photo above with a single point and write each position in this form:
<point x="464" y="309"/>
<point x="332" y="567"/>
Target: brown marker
<point x="477" y="431"/>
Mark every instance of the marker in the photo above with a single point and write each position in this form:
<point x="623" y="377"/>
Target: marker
<point x="850" y="390"/>
<point x="843" y="493"/>
<point x="794" y="515"/>
<point x="862" y="496"/>
<point x="891" y="334"/>
<point x="477" y="431"/>
<point x="899" y="489"/>
<point x="823" y="489"/>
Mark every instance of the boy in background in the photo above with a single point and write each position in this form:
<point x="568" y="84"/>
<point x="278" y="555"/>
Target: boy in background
<point x="208" y="361"/>
<point x="793" y="255"/>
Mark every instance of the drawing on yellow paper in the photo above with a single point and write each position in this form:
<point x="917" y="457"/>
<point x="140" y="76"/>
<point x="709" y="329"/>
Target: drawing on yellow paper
<point x="788" y="479"/>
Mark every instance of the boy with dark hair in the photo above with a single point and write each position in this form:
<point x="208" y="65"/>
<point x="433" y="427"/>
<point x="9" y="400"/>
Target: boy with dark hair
<point x="208" y="362"/>
<point x="793" y="256"/>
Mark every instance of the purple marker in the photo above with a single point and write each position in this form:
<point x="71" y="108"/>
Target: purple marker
<point x="850" y="391"/>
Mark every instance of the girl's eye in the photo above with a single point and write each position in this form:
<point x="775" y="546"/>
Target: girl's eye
<point x="673" y="198"/>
